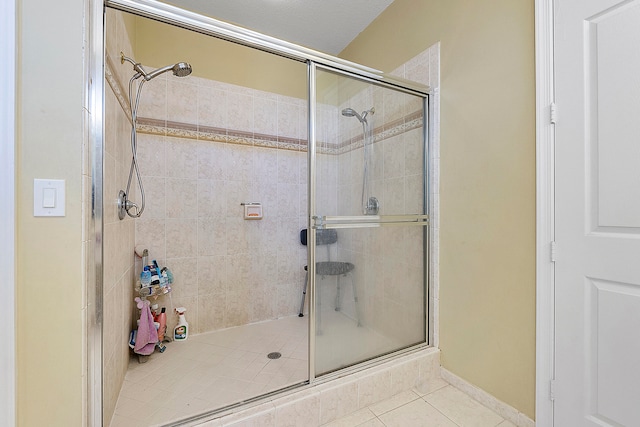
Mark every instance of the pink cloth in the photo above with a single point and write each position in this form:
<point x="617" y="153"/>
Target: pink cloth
<point x="147" y="336"/>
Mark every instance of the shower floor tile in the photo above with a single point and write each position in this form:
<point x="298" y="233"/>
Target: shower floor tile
<point x="216" y="369"/>
<point x="212" y="370"/>
<point x="219" y="368"/>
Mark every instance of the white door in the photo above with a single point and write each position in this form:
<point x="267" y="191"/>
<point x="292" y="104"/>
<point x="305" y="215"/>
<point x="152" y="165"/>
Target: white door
<point x="597" y="290"/>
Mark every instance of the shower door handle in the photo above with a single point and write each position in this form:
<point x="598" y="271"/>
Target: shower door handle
<point x="368" y="221"/>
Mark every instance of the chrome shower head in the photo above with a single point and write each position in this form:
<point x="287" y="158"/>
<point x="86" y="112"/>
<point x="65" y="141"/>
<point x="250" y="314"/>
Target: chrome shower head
<point x="350" y="112"/>
<point x="181" y="69"/>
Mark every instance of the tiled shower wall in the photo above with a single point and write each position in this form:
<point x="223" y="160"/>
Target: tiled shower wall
<point x="118" y="235"/>
<point x="204" y="148"/>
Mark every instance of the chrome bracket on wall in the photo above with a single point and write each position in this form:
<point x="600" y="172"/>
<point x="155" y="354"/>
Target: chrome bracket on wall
<point x="368" y="221"/>
<point x="122" y="205"/>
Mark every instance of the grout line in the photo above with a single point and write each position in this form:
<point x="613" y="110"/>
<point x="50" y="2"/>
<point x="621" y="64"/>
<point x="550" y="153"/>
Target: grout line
<point x="438" y="410"/>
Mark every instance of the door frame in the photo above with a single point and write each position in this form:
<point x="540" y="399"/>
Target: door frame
<point x="545" y="210"/>
<point x="7" y="212"/>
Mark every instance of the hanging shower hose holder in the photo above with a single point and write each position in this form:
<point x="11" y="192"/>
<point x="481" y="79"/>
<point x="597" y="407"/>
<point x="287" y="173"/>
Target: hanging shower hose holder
<point x="124" y="205"/>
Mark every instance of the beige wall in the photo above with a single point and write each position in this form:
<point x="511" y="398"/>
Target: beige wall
<point x="160" y="44"/>
<point x="50" y="289"/>
<point x="487" y="193"/>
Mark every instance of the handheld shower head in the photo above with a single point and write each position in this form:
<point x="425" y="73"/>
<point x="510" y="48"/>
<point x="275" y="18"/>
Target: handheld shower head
<point x="350" y="112"/>
<point x="181" y="69"/>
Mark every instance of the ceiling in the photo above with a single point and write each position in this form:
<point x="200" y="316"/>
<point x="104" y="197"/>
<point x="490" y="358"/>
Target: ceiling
<point x="324" y="25"/>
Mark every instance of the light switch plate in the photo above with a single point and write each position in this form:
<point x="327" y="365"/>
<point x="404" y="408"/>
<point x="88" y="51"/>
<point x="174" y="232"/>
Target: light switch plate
<point x="48" y="197"/>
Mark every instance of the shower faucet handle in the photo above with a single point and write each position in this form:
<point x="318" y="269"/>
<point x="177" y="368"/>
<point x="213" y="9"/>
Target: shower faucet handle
<point x="372" y="207"/>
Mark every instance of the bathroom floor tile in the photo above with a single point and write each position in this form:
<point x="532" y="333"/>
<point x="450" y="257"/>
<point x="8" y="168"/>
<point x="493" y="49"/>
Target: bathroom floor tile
<point x="393" y="402"/>
<point x="430" y="386"/>
<point x="357" y="418"/>
<point x="212" y="370"/>
<point x="462" y="409"/>
<point x="372" y="423"/>
<point x="416" y="414"/>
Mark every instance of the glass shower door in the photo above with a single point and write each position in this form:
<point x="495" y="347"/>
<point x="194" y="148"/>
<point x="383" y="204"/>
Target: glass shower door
<point x="368" y="219"/>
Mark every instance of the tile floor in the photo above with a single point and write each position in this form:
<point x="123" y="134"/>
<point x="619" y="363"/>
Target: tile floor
<point x="219" y="368"/>
<point x="216" y="369"/>
<point x="212" y="370"/>
<point x="442" y="406"/>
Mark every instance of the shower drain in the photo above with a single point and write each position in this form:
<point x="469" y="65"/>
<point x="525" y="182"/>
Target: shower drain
<point x="274" y="355"/>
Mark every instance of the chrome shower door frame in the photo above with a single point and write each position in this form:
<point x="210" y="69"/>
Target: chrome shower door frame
<point x="192" y="21"/>
<point x="319" y="222"/>
<point x="94" y="126"/>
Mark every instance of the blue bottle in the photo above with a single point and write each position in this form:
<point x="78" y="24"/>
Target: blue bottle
<point x="145" y="277"/>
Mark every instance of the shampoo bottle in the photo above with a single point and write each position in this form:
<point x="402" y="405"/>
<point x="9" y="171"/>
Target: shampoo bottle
<point x="181" y="331"/>
<point x="145" y="277"/>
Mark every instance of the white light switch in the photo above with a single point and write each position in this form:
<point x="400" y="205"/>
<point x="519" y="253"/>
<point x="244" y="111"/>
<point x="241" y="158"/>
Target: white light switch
<point x="48" y="197"/>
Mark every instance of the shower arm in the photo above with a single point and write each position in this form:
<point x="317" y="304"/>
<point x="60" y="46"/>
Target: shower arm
<point x="137" y="67"/>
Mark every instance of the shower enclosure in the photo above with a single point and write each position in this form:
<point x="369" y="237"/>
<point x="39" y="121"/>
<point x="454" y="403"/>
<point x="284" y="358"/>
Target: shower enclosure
<point x="368" y="182"/>
<point x="341" y="172"/>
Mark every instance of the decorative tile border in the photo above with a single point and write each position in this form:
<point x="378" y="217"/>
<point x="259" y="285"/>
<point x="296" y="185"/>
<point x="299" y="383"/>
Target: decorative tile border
<point x="388" y="130"/>
<point x="116" y="87"/>
<point x="208" y="133"/>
